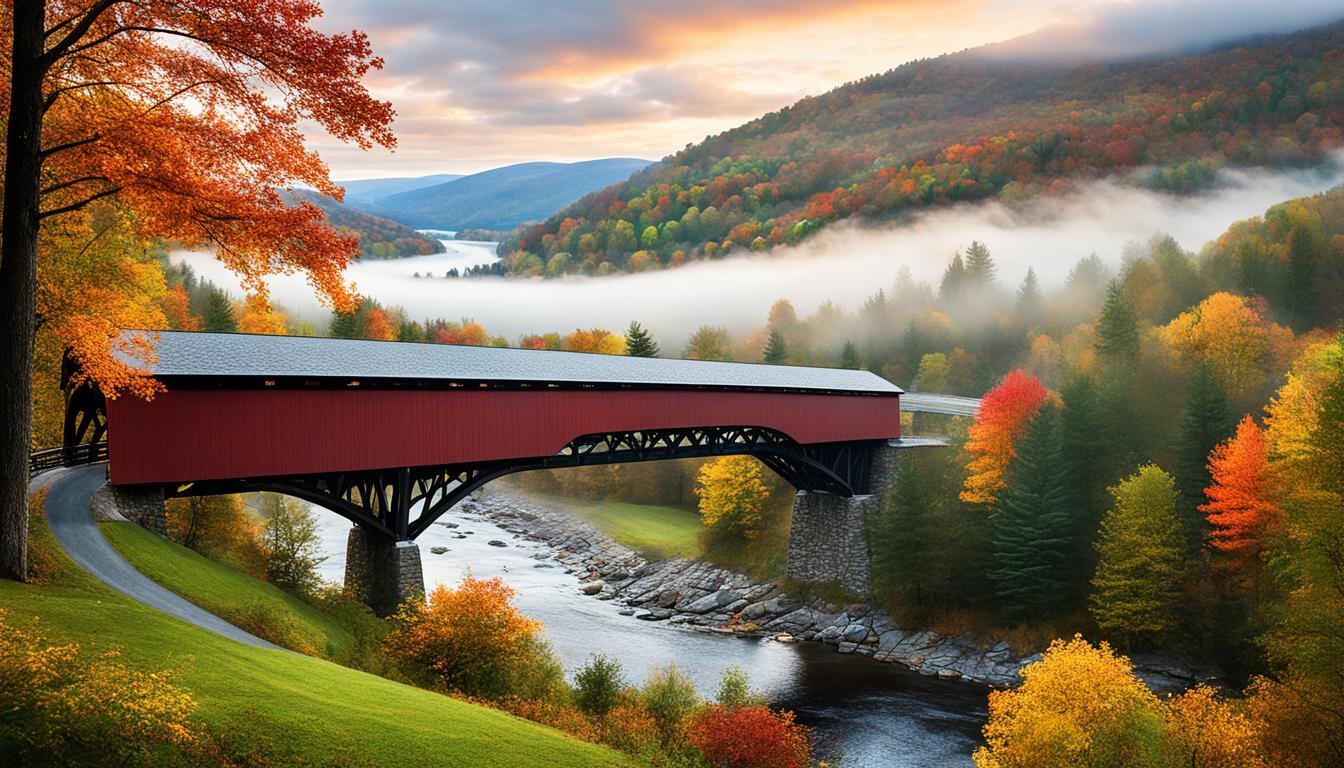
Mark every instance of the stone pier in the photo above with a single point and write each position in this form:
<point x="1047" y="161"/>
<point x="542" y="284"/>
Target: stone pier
<point x="382" y="573"/>
<point x="828" y="538"/>
<point x="137" y="505"/>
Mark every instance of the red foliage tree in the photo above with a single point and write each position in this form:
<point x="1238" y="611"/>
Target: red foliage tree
<point x="1241" y="506"/>
<point x="750" y="737"/>
<point x="1003" y="415"/>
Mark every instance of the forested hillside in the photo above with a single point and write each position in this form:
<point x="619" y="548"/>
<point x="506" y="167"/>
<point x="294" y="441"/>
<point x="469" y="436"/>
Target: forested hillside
<point x="966" y="126"/>
<point x="379" y="238"/>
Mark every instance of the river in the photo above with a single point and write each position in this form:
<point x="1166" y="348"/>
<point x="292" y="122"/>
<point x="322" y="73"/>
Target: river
<point x="866" y="714"/>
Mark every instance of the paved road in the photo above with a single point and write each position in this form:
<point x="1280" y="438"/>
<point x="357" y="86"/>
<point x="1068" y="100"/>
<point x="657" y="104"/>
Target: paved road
<point x="951" y="405"/>
<point x="71" y="520"/>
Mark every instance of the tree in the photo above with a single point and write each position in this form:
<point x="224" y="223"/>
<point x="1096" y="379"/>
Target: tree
<point x="1241" y="508"/>
<point x="733" y="495"/>
<point x="214" y="526"/>
<point x="1118" y="328"/>
<point x="107" y="104"/>
<point x="980" y="270"/>
<point x="596" y="340"/>
<point x="1205" y="422"/>
<point x="905" y="535"/>
<point x="750" y="737"/>
<point x="1080" y="706"/>
<point x="708" y="343"/>
<point x="638" y="342"/>
<point x="776" y="350"/>
<point x="258" y="316"/>
<point x="954" y="279"/>
<point x="289" y="539"/>
<point x="471" y="639"/>
<point x="218" y="312"/>
<point x="598" y="685"/>
<point x="1032" y="533"/>
<point x="1232" y="337"/>
<point x="1029" y="299"/>
<point x="1137" y="586"/>
<point x="1003" y="415"/>
<point x="1083" y="469"/>
<point x="849" y="356"/>
<point x="670" y="697"/>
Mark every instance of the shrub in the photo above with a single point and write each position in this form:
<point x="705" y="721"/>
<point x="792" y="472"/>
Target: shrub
<point x="735" y="690"/>
<point x="598" y="685"/>
<point x="273" y="623"/>
<point x="470" y="639"/>
<point x="291" y="545"/>
<point x="669" y="696"/>
<point x="750" y="737"/>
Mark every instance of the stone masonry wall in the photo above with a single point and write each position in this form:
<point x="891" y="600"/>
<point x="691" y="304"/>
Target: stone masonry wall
<point x="383" y="574"/>
<point x="828" y="537"/>
<point x="134" y="504"/>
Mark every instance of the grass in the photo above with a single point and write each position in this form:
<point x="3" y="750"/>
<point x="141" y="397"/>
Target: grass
<point x="652" y="530"/>
<point x="290" y="709"/>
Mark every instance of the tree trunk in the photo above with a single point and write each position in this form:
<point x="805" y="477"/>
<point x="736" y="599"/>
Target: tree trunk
<point x="18" y="281"/>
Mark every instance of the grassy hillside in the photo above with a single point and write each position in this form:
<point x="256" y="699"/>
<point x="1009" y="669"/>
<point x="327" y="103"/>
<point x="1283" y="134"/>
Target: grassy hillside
<point x="652" y="530"/>
<point x="379" y="238"/>
<point x="254" y="605"/>
<point x="287" y="708"/>
<point x="961" y="127"/>
<point x="503" y="198"/>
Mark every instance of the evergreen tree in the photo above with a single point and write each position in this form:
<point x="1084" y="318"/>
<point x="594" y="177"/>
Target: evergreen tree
<point x="1032" y="537"/>
<point x="980" y="269"/>
<point x="1137" y="586"/>
<point x="410" y="330"/>
<point x="1083" y="470"/>
<point x="1206" y="421"/>
<point x="776" y="351"/>
<point x="904" y="538"/>
<point x="638" y="342"/>
<point x="954" y="278"/>
<point x="1327" y="437"/>
<point x="344" y="325"/>
<point x="218" y="315"/>
<point x="1118" y="328"/>
<point x="1305" y="245"/>
<point x="849" y="356"/>
<point x="1029" y="293"/>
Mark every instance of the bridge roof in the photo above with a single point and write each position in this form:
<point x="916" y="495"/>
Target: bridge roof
<point x="183" y="354"/>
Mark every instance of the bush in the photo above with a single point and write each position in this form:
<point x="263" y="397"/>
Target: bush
<point x="669" y="696"/>
<point x="469" y="640"/>
<point x="61" y="709"/>
<point x="291" y="545"/>
<point x="735" y="690"/>
<point x="750" y="737"/>
<point x="273" y="623"/>
<point x="598" y="685"/>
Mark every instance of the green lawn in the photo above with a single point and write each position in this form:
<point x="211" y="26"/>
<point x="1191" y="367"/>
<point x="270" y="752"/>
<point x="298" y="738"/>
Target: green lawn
<point x="299" y="710"/>
<point x="653" y="531"/>
<point x="255" y="605"/>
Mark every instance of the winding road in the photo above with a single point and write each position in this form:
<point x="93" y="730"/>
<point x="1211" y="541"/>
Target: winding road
<point x="70" y="516"/>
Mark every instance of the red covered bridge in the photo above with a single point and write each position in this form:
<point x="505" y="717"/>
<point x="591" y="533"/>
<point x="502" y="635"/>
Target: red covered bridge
<point x="391" y="435"/>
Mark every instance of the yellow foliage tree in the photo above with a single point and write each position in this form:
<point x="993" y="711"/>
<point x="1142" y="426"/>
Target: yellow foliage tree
<point x="1232" y="336"/>
<point x="1079" y="706"/>
<point x="598" y="340"/>
<point x="733" y="495"/>
<point x="1209" y="732"/>
<point x="217" y="526"/>
<point x="1291" y="416"/>
<point x="257" y="316"/>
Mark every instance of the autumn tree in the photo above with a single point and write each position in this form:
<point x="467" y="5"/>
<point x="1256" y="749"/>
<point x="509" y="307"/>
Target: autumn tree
<point x="750" y="737"/>
<point x="1137" y="585"/>
<point x="1241" y="508"/>
<point x="1004" y="412"/>
<point x="733" y="496"/>
<point x="289" y="539"/>
<point x="214" y="526"/>
<point x="708" y="343"/>
<point x="638" y="342"/>
<point x="187" y="116"/>
<point x="597" y="340"/>
<point x="1231" y="336"/>
<point x="1079" y="706"/>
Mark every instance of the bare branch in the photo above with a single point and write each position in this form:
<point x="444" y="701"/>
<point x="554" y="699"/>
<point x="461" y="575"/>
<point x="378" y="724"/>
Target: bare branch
<point x="73" y="182"/>
<point x="80" y="204"/>
<point x="70" y="145"/>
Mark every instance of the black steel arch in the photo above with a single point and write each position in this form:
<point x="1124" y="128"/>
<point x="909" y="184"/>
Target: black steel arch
<point x="381" y="500"/>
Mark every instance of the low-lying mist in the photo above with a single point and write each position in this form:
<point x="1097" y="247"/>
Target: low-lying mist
<point x="844" y="263"/>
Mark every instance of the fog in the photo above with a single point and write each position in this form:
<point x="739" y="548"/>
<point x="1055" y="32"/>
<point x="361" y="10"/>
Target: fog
<point x="844" y="263"/>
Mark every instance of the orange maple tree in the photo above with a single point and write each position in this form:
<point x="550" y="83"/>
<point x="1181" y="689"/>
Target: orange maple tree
<point x="187" y="119"/>
<point x="1003" y="416"/>
<point x="1241" y="506"/>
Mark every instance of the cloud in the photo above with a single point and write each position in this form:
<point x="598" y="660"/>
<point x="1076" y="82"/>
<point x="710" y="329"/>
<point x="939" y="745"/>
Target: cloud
<point x="1163" y="27"/>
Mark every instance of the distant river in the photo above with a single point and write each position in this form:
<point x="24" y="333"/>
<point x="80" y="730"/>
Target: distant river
<point x="866" y="714"/>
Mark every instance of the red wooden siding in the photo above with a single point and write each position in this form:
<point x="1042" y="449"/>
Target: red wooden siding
<point x="189" y="435"/>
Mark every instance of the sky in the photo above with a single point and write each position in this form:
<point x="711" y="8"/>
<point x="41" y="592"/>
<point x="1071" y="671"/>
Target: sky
<point x="477" y="85"/>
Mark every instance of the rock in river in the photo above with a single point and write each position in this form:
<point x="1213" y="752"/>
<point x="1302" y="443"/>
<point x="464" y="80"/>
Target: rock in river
<point x="438" y="550"/>
<point x="496" y="543"/>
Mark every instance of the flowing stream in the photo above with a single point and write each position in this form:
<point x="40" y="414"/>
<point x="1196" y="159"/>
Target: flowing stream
<point x="866" y="713"/>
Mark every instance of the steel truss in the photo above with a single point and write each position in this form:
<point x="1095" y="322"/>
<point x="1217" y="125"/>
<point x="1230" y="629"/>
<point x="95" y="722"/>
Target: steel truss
<point x="383" y="500"/>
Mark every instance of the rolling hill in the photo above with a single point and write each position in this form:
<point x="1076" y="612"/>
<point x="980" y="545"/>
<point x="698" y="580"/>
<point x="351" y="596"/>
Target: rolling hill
<point x="961" y="127"/>
<point x="366" y="191"/>
<point x="502" y="198"/>
<point x="379" y="238"/>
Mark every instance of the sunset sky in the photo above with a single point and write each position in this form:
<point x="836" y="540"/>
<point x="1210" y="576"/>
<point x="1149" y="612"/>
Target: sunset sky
<point x="478" y="85"/>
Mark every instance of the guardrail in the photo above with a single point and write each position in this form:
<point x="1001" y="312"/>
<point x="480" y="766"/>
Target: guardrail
<point x="73" y="456"/>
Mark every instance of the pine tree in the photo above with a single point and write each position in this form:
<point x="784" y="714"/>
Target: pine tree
<point x="1031" y="533"/>
<point x="1137" y="584"/>
<point x="1029" y="293"/>
<point x="903" y="537"/>
<point x="776" y="351"/>
<point x="1118" y="327"/>
<point x="218" y="316"/>
<point x="344" y="325"/>
<point x="849" y="356"/>
<point x="638" y="342"/>
<point x="980" y="269"/>
<point x="1206" y="421"/>
<point x="954" y="279"/>
<point x="1083" y="470"/>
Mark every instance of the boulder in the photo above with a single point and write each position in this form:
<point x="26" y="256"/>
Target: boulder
<point x="714" y="601"/>
<point x="591" y="588"/>
<point x="438" y="550"/>
<point x="495" y="542"/>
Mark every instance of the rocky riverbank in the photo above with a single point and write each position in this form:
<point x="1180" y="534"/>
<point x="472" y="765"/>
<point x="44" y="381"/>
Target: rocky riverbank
<point x="703" y="596"/>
